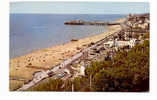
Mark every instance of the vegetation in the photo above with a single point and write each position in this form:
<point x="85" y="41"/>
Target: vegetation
<point x="14" y="84"/>
<point x="127" y="71"/>
<point x="48" y="85"/>
<point x="146" y="36"/>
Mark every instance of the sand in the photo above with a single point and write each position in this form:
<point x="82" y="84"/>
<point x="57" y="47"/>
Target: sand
<point x="24" y="66"/>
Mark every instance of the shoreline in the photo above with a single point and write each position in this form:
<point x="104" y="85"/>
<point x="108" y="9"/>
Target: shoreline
<point x="108" y="29"/>
<point x="23" y="67"/>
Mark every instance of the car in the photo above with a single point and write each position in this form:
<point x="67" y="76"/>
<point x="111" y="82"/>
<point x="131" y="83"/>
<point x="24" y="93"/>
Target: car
<point x="60" y="75"/>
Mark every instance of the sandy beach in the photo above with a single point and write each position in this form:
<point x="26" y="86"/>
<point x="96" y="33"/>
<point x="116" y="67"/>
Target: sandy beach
<point x="22" y="68"/>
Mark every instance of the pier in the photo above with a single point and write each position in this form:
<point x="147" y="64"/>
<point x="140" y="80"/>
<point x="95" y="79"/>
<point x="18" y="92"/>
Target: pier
<point x="79" y="22"/>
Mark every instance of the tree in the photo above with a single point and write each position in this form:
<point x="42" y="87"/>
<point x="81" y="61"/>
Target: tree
<point x="49" y="85"/>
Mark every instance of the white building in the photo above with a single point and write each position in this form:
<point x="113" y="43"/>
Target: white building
<point x="109" y="43"/>
<point x="116" y="43"/>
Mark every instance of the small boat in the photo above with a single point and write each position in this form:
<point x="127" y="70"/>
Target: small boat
<point x="74" y="39"/>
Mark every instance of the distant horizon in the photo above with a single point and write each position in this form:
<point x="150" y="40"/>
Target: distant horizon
<point x="41" y="7"/>
<point x="75" y="14"/>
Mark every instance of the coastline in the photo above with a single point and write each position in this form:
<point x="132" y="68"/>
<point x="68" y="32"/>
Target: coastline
<point x="24" y="66"/>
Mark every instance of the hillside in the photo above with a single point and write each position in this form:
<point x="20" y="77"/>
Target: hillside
<point x="127" y="71"/>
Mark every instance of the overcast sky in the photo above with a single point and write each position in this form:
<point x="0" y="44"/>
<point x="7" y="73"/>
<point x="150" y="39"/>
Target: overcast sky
<point x="79" y="7"/>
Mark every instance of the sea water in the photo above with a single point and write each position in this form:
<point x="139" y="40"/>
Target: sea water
<point x="30" y="32"/>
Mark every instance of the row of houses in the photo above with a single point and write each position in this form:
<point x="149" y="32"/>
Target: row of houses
<point x="133" y="29"/>
<point x="139" y="21"/>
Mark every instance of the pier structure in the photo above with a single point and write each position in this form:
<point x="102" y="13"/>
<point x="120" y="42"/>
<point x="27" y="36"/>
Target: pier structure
<point x="80" y="22"/>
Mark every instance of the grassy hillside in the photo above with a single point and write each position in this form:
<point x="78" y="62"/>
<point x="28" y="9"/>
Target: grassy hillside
<point x="127" y="71"/>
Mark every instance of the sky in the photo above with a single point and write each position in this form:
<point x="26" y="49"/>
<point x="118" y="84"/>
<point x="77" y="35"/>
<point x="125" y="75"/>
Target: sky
<point x="78" y="7"/>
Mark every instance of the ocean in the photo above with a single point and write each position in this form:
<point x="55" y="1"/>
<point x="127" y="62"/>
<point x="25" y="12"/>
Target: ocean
<point x="29" y="32"/>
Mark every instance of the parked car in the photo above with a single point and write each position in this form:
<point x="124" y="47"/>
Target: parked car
<point x="60" y="75"/>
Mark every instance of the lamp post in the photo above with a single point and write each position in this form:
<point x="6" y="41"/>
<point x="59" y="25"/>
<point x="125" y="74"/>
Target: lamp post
<point x="72" y="87"/>
<point x="90" y="81"/>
